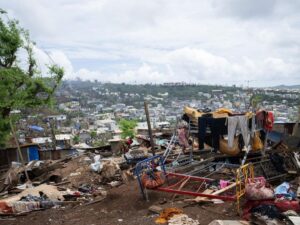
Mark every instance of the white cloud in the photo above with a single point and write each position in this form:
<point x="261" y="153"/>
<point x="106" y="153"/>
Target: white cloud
<point x="212" y="41"/>
<point x="200" y="66"/>
<point x="45" y="59"/>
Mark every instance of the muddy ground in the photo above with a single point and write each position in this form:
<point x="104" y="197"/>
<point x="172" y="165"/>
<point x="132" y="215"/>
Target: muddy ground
<point x="123" y="205"/>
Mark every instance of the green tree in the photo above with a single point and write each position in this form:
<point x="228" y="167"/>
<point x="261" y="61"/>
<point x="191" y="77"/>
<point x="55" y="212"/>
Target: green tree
<point x="255" y="100"/>
<point x="93" y="134"/>
<point x="127" y="127"/>
<point x="76" y="139"/>
<point x="21" y="83"/>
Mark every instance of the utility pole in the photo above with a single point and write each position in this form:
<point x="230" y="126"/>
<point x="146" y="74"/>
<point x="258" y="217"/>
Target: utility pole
<point x="53" y="134"/>
<point x="149" y="127"/>
<point x="19" y="150"/>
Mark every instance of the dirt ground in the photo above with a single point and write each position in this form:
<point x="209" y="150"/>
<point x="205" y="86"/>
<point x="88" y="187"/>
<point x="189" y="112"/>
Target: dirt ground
<point x="123" y="205"/>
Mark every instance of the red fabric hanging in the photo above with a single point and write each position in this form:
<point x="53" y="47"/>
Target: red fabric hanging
<point x="269" y="121"/>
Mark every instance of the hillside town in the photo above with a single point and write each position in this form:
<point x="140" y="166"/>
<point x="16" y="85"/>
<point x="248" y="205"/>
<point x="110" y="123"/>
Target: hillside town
<point x="83" y="113"/>
<point x="149" y="112"/>
<point x="79" y="145"/>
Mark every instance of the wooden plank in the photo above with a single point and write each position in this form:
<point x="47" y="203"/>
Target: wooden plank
<point x="180" y="187"/>
<point x="211" y="192"/>
<point x="95" y="201"/>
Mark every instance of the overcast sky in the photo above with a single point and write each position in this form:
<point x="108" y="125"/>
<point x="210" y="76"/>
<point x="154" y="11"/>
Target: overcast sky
<point x="143" y="41"/>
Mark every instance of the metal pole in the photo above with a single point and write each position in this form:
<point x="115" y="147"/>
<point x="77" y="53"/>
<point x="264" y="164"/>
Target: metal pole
<point x="19" y="149"/>
<point x="149" y="127"/>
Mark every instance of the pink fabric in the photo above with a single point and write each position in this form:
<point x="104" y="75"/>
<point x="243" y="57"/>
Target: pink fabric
<point x="224" y="183"/>
<point x="182" y="136"/>
<point x="256" y="190"/>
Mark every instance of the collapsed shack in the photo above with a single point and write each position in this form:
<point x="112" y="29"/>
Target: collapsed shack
<point x="227" y="156"/>
<point x="82" y="179"/>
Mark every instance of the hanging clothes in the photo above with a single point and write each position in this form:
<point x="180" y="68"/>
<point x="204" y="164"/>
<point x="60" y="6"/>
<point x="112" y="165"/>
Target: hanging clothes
<point x="260" y="119"/>
<point x="217" y="128"/>
<point x="182" y="137"/>
<point x="237" y="123"/>
<point x="269" y="121"/>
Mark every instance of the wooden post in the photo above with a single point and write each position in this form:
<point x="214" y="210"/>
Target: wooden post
<point x="149" y="127"/>
<point x="52" y="134"/>
<point x="19" y="149"/>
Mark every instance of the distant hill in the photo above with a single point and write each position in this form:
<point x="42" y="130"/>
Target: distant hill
<point x="288" y="86"/>
<point x="177" y="90"/>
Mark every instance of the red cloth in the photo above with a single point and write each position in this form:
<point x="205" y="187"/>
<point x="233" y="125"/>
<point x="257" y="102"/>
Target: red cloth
<point x="4" y="208"/>
<point x="129" y="141"/>
<point x="269" y="121"/>
<point x="281" y="205"/>
<point x="285" y="205"/>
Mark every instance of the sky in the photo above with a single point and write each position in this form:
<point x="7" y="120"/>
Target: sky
<point x="243" y="42"/>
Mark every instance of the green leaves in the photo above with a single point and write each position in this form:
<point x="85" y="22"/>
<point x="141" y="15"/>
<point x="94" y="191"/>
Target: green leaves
<point x="10" y="42"/>
<point x="127" y="127"/>
<point x="255" y="100"/>
<point x="21" y="88"/>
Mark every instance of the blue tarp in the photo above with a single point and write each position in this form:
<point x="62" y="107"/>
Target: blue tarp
<point x="275" y="136"/>
<point x="36" y="128"/>
<point x="33" y="153"/>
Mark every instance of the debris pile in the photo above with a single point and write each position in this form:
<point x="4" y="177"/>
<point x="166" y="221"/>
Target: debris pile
<point x="80" y="179"/>
<point x="211" y="159"/>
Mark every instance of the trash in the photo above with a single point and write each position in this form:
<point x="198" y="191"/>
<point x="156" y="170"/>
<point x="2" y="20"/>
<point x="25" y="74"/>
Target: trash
<point x="109" y="169"/>
<point x="115" y="183"/>
<point x="51" y="191"/>
<point x="96" y="201"/>
<point x="290" y="213"/>
<point x="182" y="219"/>
<point x="224" y="183"/>
<point x="153" y="179"/>
<point x="4" y="208"/>
<point x="166" y="214"/>
<point x="267" y="214"/>
<point x="85" y="188"/>
<point x="285" y="205"/>
<point x="22" y="186"/>
<point x="11" y="179"/>
<point x="87" y="159"/>
<point x="283" y="190"/>
<point x="267" y="210"/>
<point x="212" y="192"/>
<point x="257" y="190"/>
<point x="96" y="166"/>
<point x="217" y="201"/>
<point x="155" y="209"/>
<point x="136" y="154"/>
<point x="21" y="206"/>
<point x="74" y="174"/>
<point x="295" y="219"/>
<point x="70" y="178"/>
<point x="15" y="164"/>
<point x="163" y="201"/>
<point x="29" y="203"/>
<point x="229" y="222"/>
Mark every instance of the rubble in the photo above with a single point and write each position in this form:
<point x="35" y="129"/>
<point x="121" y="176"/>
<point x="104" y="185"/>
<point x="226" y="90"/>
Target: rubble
<point x="70" y="180"/>
<point x="182" y="219"/>
<point x="167" y="214"/>
<point x="229" y="222"/>
<point x="155" y="209"/>
<point x="261" y="180"/>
